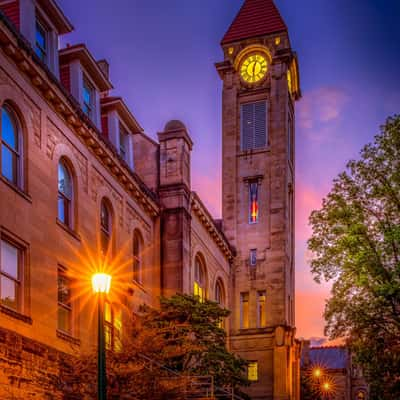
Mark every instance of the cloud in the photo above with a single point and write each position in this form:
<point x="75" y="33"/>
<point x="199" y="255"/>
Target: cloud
<point x="319" y="108"/>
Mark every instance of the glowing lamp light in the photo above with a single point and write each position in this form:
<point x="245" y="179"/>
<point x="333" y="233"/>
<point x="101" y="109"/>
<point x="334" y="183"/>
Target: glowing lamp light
<point x="326" y="386"/>
<point x="101" y="283"/>
<point x="317" y="372"/>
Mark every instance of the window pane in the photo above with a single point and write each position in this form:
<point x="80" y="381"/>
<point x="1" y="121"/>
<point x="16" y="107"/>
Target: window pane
<point x="64" y="180"/>
<point x="244" y="303"/>
<point x="107" y="312"/>
<point x="8" y="130"/>
<point x="64" y="319"/>
<point x="62" y="209"/>
<point x="64" y="290"/>
<point x="40" y="36"/>
<point x="252" y="371"/>
<point x="104" y="217"/>
<point x="253" y="257"/>
<point x="8" y="292"/>
<point x="8" y="164"/>
<point x="9" y="259"/>
<point x="261" y="317"/>
<point x="253" y="202"/>
<point x="108" y="336"/>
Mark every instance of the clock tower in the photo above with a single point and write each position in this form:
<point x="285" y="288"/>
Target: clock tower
<point x="260" y="87"/>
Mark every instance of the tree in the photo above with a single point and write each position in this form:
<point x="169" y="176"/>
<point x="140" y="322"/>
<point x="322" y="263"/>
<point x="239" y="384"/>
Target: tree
<point x="356" y="245"/>
<point x="165" y="349"/>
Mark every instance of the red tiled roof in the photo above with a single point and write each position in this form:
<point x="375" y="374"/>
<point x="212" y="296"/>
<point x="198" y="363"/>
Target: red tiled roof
<point x="255" y="18"/>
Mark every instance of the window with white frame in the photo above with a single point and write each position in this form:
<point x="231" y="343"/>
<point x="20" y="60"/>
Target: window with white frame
<point x="11" y="147"/>
<point x="11" y="273"/>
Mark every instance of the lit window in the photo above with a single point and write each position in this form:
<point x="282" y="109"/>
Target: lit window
<point x="88" y="94"/>
<point x="64" y="303"/>
<point x="261" y="309"/>
<point x="64" y="194"/>
<point x="253" y="125"/>
<point x="10" y="275"/>
<point x="123" y="142"/>
<point x="112" y="327"/>
<point x="253" y="202"/>
<point x="41" y="41"/>
<point x="137" y="257"/>
<point x="360" y="395"/>
<point x="11" y="146"/>
<point x="252" y="371"/>
<point x="244" y="310"/>
<point x="199" y="280"/>
<point x="105" y="226"/>
<point x="253" y="257"/>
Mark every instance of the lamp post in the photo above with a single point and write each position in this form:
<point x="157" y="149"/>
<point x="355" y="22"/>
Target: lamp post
<point x="101" y="286"/>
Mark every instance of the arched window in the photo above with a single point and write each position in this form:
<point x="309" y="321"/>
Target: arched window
<point x="65" y="194"/>
<point x="137" y="257"/>
<point x="219" y="293"/>
<point x="105" y="226"/>
<point x="199" y="285"/>
<point x="11" y="147"/>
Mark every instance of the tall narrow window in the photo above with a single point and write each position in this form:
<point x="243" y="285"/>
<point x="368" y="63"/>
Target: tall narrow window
<point x="64" y="303"/>
<point x="253" y="202"/>
<point x="41" y="44"/>
<point x="112" y="327"/>
<point x="261" y="309"/>
<point x="199" y="288"/>
<point x="11" y="145"/>
<point x="254" y="125"/>
<point x="290" y="138"/>
<point x="244" y="310"/>
<point x="220" y="299"/>
<point x="253" y="257"/>
<point x="252" y="371"/>
<point x="105" y="226"/>
<point x="65" y="193"/>
<point x="137" y="257"/>
<point x="123" y="142"/>
<point x="10" y="275"/>
<point x="88" y="100"/>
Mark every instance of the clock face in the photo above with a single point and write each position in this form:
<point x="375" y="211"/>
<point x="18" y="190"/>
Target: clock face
<point x="253" y="68"/>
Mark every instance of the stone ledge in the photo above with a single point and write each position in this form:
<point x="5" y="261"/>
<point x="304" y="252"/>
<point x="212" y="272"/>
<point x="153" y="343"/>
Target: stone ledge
<point x="15" y="314"/>
<point x="68" y="338"/>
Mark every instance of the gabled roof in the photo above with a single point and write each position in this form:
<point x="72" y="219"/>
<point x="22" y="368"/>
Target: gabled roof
<point x="117" y="103"/>
<point x="81" y="53"/>
<point x="255" y="18"/>
<point x="61" y="22"/>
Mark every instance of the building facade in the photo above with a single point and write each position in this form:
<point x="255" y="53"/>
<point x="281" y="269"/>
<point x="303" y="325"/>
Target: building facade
<point x="332" y="369"/>
<point x="84" y="189"/>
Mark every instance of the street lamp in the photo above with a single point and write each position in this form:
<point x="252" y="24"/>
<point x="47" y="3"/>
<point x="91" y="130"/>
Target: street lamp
<point x="317" y="373"/>
<point x="101" y="286"/>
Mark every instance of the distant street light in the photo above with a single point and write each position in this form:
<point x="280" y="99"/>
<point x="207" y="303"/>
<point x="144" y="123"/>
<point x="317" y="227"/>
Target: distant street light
<point x="101" y="284"/>
<point x="317" y="372"/>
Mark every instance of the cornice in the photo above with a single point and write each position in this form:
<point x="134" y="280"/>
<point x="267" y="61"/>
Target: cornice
<point x="208" y="223"/>
<point x="42" y="79"/>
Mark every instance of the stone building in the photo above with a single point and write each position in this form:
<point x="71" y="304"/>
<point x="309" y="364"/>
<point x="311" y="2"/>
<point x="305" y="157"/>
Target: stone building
<point x="83" y="189"/>
<point x="333" y="369"/>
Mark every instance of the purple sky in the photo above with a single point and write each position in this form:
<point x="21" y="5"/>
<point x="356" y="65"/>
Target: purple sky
<point x="162" y="56"/>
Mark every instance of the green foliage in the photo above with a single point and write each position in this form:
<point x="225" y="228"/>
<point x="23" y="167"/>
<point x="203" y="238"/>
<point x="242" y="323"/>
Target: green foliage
<point x="165" y="348"/>
<point x="356" y="245"/>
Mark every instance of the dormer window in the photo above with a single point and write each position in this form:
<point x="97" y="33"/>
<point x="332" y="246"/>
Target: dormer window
<point x="41" y="40"/>
<point x="87" y="94"/>
<point x="123" y="142"/>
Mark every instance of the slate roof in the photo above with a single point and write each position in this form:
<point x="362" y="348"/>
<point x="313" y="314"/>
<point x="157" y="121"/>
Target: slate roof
<point x="328" y="357"/>
<point x="255" y="18"/>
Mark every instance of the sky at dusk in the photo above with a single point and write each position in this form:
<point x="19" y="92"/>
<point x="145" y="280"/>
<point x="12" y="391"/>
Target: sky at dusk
<point x="162" y="55"/>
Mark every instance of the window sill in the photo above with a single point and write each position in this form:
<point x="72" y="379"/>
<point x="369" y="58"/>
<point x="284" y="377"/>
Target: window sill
<point x="68" y="338"/>
<point x="16" y="189"/>
<point x="247" y="153"/>
<point x="15" y="314"/>
<point x="74" y="234"/>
